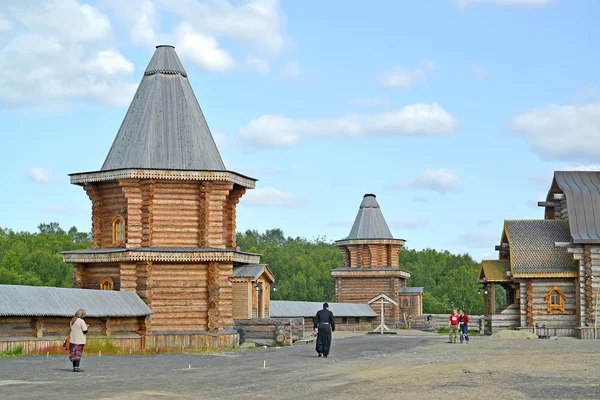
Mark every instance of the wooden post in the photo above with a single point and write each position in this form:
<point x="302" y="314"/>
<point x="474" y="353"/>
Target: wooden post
<point x="37" y="326"/>
<point x="493" y="299"/>
<point x="486" y="314"/>
<point x="382" y="323"/>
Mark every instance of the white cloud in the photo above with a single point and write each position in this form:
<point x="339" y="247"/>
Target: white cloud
<point x="221" y="140"/>
<point x="416" y="119"/>
<point x="258" y="23"/>
<point x="420" y="199"/>
<point x="584" y="167"/>
<point x="408" y="224"/>
<point x="139" y="18"/>
<point x="479" y="72"/>
<point x="258" y="64"/>
<point x="563" y="132"/>
<point x="402" y="78"/>
<point x="269" y="197"/>
<point x="66" y="19"/>
<point x="482" y="239"/>
<point x="372" y="102"/>
<point x="61" y="52"/>
<point x="5" y="24"/>
<point x="439" y="180"/>
<point x="464" y="3"/>
<point x="202" y="50"/>
<point x="40" y="175"/>
<point x="109" y="62"/>
<point x="290" y="70"/>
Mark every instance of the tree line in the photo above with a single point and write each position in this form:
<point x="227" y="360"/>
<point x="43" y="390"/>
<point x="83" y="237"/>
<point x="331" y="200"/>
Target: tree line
<point x="302" y="267"/>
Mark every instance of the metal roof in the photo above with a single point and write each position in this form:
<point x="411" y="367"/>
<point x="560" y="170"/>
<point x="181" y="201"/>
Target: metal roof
<point x="164" y="127"/>
<point x="369" y="222"/>
<point x="532" y="247"/>
<point x="411" y="290"/>
<point x="582" y="190"/>
<point x="41" y="301"/>
<point x="290" y="309"/>
<point x="249" y="271"/>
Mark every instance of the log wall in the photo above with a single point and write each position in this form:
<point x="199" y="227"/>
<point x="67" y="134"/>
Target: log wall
<point x="242" y="295"/>
<point x="165" y="213"/>
<point x="361" y="290"/>
<point x="59" y="326"/>
<point x="533" y="305"/>
<point x="91" y="274"/>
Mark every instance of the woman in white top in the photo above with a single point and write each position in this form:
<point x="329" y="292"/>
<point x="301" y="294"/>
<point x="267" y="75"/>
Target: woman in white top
<point x="79" y="331"/>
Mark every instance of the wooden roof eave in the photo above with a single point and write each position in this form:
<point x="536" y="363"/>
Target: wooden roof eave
<point x="83" y="178"/>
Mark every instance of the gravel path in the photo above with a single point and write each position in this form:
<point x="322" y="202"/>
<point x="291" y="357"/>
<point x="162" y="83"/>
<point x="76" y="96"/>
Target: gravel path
<point x="363" y="366"/>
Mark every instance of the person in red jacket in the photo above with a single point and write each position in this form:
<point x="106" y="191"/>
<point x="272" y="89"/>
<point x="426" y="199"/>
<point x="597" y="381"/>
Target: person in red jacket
<point x="453" y="323"/>
<point x="464" y="326"/>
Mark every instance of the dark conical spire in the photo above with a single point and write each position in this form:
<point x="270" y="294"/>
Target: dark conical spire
<point x="369" y="222"/>
<point x="164" y="127"/>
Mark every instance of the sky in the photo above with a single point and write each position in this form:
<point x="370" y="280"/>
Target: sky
<point x="454" y="113"/>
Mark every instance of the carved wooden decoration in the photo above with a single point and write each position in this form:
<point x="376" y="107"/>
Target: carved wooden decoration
<point x="213" y="297"/>
<point x="529" y="302"/>
<point x="589" y="296"/>
<point x="555" y="300"/>
<point x="107" y="284"/>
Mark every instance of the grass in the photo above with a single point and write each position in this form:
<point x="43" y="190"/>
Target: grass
<point x="17" y="351"/>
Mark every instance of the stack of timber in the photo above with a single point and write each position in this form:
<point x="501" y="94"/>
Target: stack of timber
<point x="267" y="331"/>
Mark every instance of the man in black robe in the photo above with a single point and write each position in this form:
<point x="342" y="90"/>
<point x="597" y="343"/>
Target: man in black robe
<point x="325" y="323"/>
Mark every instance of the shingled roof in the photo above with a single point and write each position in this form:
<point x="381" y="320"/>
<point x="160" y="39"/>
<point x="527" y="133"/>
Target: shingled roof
<point x="42" y="301"/>
<point x="369" y="222"/>
<point x="164" y="127"/>
<point x="582" y="190"/>
<point x="532" y="248"/>
<point x="494" y="271"/>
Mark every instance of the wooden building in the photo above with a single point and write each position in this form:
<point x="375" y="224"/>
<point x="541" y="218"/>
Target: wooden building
<point x="348" y="316"/>
<point x="252" y="291"/>
<point x="164" y="212"/>
<point x="550" y="267"/>
<point x="370" y="261"/>
<point x="37" y="318"/>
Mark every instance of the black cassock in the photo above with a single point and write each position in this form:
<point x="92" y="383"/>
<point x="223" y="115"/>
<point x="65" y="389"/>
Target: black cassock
<point x="325" y="323"/>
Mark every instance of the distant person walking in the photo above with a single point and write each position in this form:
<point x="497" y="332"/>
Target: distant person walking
<point x="79" y="330"/>
<point x="453" y="322"/>
<point x="324" y="325"/>
<point x="464" y="326"/>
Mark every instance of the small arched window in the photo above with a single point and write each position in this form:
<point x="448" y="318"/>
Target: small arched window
<point x="118" y="230"/>
<point x="555" y="300"/>
<point x="107" y="284"/>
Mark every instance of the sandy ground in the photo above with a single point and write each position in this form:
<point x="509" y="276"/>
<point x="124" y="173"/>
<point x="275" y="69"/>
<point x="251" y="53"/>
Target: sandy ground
<point x="408" y="365"/>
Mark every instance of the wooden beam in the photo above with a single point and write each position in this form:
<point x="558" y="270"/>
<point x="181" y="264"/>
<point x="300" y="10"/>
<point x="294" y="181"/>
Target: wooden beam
<point x="546" y="204"/>
<point x="558" y="196"/>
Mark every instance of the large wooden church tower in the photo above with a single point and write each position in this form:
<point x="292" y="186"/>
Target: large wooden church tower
<point x="164" y="211"/>
<point x="370" y="257"/>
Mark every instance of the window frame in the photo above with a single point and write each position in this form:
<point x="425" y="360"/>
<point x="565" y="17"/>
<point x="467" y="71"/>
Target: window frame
<point x="117" y="220"/>
<point x="107" y="281"/>
<point x="552" y="294"/>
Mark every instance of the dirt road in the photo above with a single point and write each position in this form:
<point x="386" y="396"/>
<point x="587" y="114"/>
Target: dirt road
<point x="419" y="366"/>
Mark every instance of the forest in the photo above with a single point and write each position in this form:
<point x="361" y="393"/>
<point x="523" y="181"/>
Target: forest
<point x="302" y="267"/>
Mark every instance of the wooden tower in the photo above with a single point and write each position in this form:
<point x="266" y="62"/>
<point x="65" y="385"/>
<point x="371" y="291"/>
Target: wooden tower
<point x="164" y="211"/>
<point x="370" y="257"/>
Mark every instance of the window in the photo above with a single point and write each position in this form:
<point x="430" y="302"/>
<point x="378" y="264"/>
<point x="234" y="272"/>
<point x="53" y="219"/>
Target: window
<point x="107" y="284"/>
<point x="555" y="300"/>
<point x="404" y="303"/>
<point x="118" y="230"/>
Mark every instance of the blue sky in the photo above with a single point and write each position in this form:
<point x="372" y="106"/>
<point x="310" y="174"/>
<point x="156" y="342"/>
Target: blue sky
<point x="454" y="113"/>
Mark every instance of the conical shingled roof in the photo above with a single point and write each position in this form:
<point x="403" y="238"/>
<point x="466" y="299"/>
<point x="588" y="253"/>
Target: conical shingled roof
<point x="369" y="222"/>
<point x="164" y="127"/>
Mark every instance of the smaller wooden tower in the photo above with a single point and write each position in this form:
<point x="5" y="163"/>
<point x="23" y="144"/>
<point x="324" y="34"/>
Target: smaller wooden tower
<point x="370" y="257"/>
